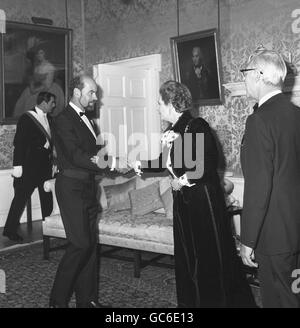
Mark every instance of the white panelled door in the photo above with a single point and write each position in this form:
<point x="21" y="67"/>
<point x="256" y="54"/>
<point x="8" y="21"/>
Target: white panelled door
<point x="129" y="120"/>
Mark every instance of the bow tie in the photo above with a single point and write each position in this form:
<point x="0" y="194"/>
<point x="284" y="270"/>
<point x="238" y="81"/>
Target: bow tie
<point x="82" y="114"/>
<point x="255" y="107"/>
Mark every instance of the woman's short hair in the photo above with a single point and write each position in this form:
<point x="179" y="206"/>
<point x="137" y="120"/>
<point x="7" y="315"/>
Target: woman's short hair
<point x="177" y="94"/>
<point x="271" y="65"/>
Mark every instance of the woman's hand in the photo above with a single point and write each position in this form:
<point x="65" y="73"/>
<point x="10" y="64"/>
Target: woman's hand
<point x="176" y="185"/>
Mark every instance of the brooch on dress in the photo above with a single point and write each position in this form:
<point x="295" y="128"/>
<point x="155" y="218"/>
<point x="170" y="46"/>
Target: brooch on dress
<point x="168" y="138"/>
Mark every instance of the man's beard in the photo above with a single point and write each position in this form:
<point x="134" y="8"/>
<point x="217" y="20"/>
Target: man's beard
<point x="90" y="106"/>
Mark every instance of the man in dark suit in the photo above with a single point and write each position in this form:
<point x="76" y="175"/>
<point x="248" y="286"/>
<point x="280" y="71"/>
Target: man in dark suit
<point x="32" y="161"/>
<point x="75" y="142"/>
<point x="270" y="226"/>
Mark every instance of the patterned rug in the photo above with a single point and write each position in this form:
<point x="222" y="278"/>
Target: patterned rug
<point x="29" y="279"/>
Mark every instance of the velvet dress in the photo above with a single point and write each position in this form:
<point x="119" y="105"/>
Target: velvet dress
<point x="207" y="269"/>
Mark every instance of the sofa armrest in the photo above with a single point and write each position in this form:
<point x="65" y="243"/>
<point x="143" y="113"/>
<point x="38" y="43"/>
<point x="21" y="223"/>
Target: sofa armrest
<point x="49" y="186"/>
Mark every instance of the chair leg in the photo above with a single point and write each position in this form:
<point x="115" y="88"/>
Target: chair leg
<point x="46" y="247"/>
<point x="137" y="263"/>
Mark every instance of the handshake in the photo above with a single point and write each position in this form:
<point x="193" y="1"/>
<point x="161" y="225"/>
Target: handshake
<point x="121" y="164"/>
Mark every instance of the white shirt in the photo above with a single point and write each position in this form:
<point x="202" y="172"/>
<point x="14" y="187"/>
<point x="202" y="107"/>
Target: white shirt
<point x="268" y="96"/>
<point x="89" y="125"/>
<point x="84" y="118"/>
<point x="42" y="118"/>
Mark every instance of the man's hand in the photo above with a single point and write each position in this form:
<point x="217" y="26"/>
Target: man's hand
<point x="119" y="164"/>
<point x="247" y="255"/>
<point x="136" y="166"/>
<point x="94" y="159"/>
<point x="17" y="172"/>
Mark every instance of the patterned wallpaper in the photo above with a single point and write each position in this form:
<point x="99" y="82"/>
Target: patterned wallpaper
<point x="22" y="11"/>
<point x="120" y="29"/>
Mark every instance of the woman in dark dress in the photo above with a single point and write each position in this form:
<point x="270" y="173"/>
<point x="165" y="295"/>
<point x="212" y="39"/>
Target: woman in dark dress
<point x="205" y="257"/>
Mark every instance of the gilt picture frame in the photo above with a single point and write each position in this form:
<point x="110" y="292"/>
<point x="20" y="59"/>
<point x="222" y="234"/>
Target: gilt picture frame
<point x="197" y="64"/>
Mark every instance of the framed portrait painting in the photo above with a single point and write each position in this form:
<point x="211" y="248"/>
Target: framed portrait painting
<point x="197" y="64"/>
<point x="34" y="58"/>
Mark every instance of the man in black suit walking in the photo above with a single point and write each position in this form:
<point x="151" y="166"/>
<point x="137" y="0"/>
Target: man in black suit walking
<point x="75" y="142"/>
<point x="270" y="226"/>
<point x="32" y="161"/>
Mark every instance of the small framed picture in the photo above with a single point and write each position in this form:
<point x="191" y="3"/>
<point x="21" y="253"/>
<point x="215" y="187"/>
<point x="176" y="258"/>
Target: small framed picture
<point x="197" y="64"/>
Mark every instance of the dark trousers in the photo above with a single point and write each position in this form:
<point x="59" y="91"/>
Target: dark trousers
<point x="275" y="277"/>
<point x="78" y="269"/>
<point x="24" y="188"/>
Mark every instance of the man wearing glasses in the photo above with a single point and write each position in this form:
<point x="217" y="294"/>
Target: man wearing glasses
<point x="270" y="226"/>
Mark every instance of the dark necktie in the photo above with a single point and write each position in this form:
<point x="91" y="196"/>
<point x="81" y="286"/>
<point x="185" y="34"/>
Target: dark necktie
<point x="82" y="114"/>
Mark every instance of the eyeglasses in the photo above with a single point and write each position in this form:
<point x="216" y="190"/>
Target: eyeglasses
<point x="249" y="69"/>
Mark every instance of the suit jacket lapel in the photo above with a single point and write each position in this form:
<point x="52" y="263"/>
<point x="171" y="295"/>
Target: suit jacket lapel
<point x="76" y="118"/>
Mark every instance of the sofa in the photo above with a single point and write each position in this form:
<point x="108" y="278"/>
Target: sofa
<point x="134" y="213"/>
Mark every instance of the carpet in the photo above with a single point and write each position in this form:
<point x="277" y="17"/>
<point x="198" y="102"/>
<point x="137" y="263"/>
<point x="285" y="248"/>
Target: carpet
<point x="29" y="279"/>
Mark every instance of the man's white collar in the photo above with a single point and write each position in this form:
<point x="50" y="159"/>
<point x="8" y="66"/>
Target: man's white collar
<point x="76" y="108"/>
<point x="39" y="111"/>
<point x="268" y="96"/>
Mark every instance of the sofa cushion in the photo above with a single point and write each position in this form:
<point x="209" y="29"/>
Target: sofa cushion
<point x="100" y="192"/>
<point x="167" y="199"/>
<point x="145" y="200"/>
<point x="117" y="195"/>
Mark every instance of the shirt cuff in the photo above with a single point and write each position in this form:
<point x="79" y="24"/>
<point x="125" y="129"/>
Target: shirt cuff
<point x="138" y="168"/>
<point x="17" y="171"/>
<point x="113" y="164"/>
